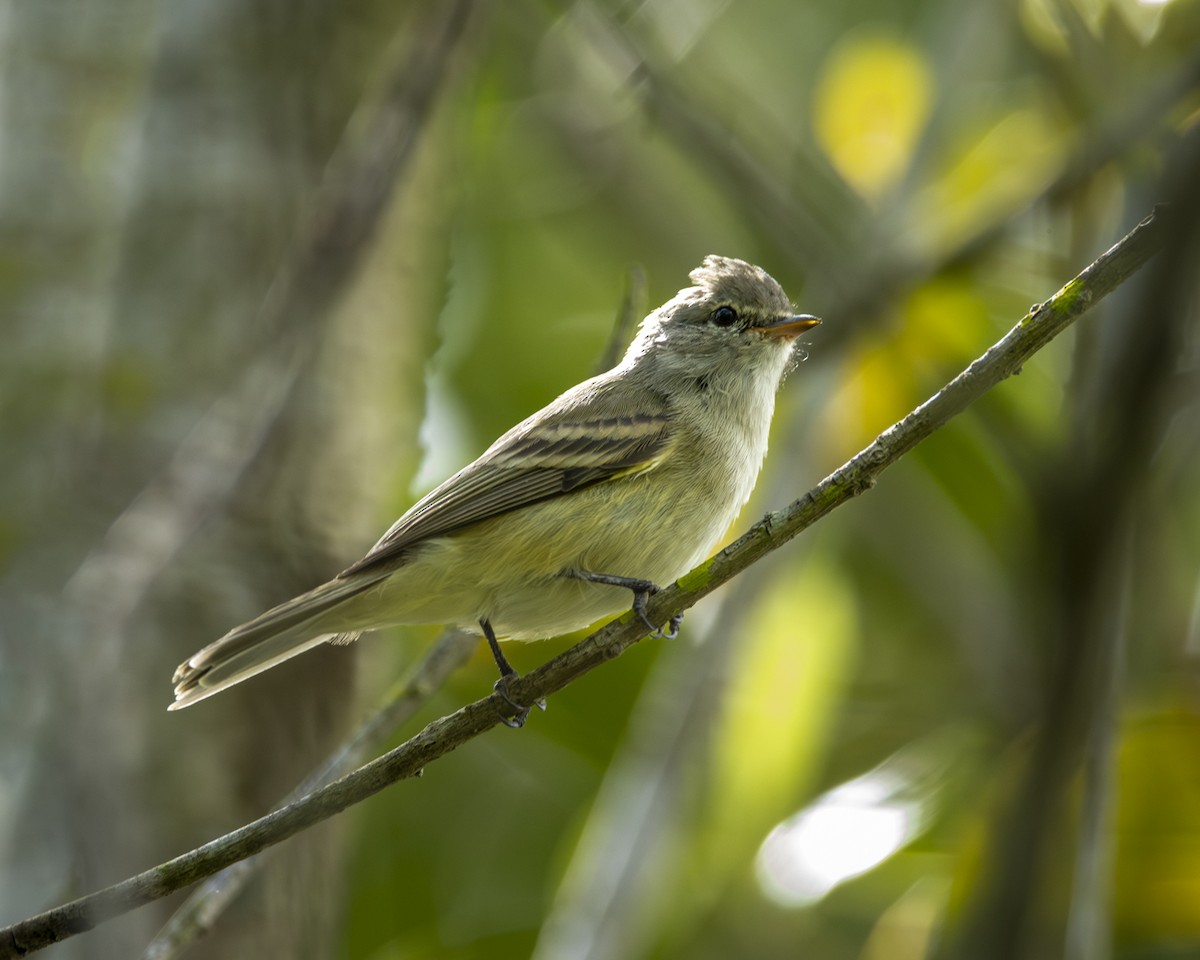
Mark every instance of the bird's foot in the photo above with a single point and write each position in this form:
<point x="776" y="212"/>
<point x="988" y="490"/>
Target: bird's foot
<point x="642" y="590"/>
<point x="507" y="674"/>
<point x="670" y="629"/>
<point x="517" y="720"/>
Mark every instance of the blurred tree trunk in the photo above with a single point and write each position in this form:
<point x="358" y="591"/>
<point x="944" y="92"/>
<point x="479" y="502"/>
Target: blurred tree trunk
<point x="1096" y="512"/>
<point x="152" y="190"/>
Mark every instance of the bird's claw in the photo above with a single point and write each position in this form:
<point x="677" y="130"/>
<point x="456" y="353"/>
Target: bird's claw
<point x="518" y="719"/>
<point x="670" y="629"/>
<point x="663" y="631"/>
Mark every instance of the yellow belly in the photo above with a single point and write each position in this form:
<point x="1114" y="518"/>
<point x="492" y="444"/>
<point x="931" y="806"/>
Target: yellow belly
<point x="509" y="570"/>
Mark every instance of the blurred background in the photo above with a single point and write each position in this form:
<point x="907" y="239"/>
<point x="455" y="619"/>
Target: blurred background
<point x="269" y="271"/>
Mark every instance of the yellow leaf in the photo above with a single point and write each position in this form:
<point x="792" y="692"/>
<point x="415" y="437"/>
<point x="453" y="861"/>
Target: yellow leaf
<point x="872" y="101"/>
<point x="791" y="667"/>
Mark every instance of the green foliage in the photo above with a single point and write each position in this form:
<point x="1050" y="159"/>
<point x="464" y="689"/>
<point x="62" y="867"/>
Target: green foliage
<point x="918" y="175"/>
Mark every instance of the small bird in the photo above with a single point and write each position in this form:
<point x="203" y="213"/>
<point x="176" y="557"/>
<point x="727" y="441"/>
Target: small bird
<point x="624" y="482"/>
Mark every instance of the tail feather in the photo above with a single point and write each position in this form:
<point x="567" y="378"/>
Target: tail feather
<point x="270" y="638"/>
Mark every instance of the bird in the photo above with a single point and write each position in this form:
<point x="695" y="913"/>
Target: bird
<point x="624" y="482"/>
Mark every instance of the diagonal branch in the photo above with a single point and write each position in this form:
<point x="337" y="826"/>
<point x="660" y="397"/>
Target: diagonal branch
<point x="1043" y="323"/>
<point x="208" y="901"/>
<point x="1099" y="146"/>
<point x="346" y="212"/>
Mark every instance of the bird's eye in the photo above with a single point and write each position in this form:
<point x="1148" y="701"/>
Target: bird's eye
<point x="724" y="316"/>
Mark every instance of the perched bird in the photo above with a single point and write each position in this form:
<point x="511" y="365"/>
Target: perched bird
<point x="625" y="481"/>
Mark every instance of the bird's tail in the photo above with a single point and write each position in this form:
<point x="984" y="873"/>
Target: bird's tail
<point x="270" y="638"/>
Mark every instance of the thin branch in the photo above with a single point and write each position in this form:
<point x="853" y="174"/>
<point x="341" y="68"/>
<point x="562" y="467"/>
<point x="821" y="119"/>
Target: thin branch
<point x="364" y="171"/>
<point x="207" y="902"/>
<point x="1003" y="359"/>
<point x="1098" y="147"/>
<point x="799" y="218"/>
<point x="349" y="205"/>
<point x="807" y="216"/>
<point x="631" y="310"/>
<point x="634" y="819"/>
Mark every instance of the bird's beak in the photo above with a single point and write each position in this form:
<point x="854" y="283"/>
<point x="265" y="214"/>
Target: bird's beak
<point x="788" y="327"/>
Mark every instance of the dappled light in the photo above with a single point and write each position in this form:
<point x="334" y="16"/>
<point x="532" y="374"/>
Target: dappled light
<point x="272" y="272"/>
<point x="846" y="832"/>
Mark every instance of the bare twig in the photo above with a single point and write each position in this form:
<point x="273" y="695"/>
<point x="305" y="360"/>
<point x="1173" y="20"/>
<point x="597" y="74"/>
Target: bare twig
<point x="350" y="203"/>
<point x="859" y="474"/>
<point x="632" y="309"/>
<point x="1097" y="148"/>
<point x="364" y="171"/>
<point x="800" y="218"/>
<point x="1100" y="147"/>
<point x="207" y="902"/>
<point x="635" y="819"/>
<point x="806" y="216"/>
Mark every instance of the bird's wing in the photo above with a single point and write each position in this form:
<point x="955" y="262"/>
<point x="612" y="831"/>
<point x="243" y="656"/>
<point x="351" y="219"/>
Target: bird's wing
<point x="585" y="437"/>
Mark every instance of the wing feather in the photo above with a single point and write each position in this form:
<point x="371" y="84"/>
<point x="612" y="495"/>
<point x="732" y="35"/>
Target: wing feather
<point x="585" y="437"/>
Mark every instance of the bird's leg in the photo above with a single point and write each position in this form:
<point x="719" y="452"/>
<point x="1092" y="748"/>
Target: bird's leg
<point x="507" y="673"/>
<point x="643" y="590"/>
